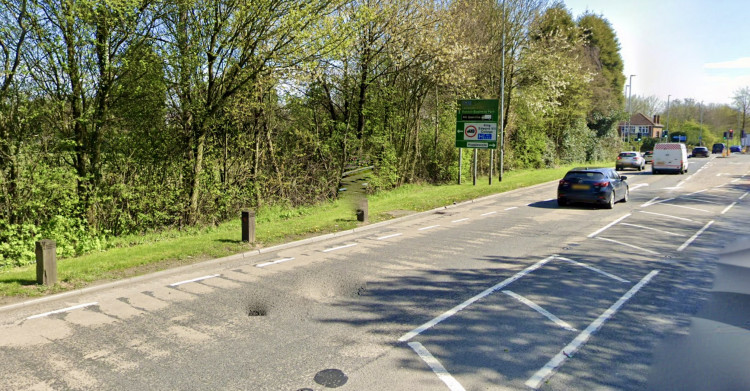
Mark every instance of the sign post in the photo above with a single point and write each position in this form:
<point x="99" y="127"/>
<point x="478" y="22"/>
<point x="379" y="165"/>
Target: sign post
<point x="476" y="127"/>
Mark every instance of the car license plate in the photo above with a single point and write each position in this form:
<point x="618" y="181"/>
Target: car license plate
<point x="580" y="187"/>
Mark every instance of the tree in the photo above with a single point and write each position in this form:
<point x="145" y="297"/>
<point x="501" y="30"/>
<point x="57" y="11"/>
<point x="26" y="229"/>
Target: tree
<point x="741" y="100"/>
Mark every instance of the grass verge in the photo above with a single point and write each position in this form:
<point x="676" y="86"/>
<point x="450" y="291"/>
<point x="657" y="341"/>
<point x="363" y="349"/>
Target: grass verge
<point x="274" y="225"/>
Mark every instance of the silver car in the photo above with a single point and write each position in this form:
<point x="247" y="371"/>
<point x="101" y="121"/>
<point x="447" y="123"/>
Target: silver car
<point x="630" y="159"/>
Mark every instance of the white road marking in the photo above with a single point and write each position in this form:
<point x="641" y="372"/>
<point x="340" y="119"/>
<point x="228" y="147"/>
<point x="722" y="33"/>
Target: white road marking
<point x="512" y="207"/>
<point x="541" y="375"/>
<point x="75" y="307"/>
<point x="687" y="242"/>
<point x="687" y="207"/>
<point x="602" y="272"/>
<point x="194" y="280"/>
<point x="486" y="292"/>
<point x="339" y="247"/>
<point x="695" y="192"/>
<point x="729" y="207"/>
<point x="389" y="236"/>
<point x="653" y="202"/>
<point x="649" y="202"/>
<point x="430" y="227"/>
<point x="744" y="195"/>
<point x="706" y="201"/>
<point x="273" y="262"/>
<point x="670" y="216"/>
<point x="652" y="229"/>
<point x="638" y="186"/>
<point x="459" y="220"/>
<point x="736" y="180"/>
<point x="540" y="310"/>
<point x="488" y="213"/>
<point x="629" y="245"/>
<point x="720" y="186"/>
<point x="436" y="367"/>
<point x="600" y="230"/>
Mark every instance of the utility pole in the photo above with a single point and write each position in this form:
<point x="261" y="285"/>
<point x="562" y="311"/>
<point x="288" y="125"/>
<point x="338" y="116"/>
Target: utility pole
<point x="668" y="96"/>
<point x="701" y="140"/>
<point x="630" y="108"/>
<point x="502" y="100"/>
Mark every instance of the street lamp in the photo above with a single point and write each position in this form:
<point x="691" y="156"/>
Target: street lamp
<point x="630" y="113"/>
<point x="668" y="96"/>
<point x="701" y="137"/>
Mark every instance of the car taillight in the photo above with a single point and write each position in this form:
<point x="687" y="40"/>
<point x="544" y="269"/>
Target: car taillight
<point x="619" y="157"/>
<point x="601" y="184"/>
<point x="563" y="182"/>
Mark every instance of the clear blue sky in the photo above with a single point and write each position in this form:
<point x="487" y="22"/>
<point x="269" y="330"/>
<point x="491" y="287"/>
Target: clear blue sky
<point x="696" y="49"/>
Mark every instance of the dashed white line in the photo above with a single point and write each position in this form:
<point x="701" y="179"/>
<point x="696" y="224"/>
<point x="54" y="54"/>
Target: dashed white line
<point x="436" y="367"/>
<point x="664" y="215"/>
<point x="692" y="238"/>
<point x="339" y="247"/>
<point x="541" y="375"/>
<point x="591" y="235"/>
<point x="389" y="236"/>
<point x="511" y="208"/>
<point x="194" y="280"/>
<point x="488" y="213"/>
<point x="75" y="307"/>
<point x="652" y="229"/>
<point x="736" y="180"/>
<point x="460" y="220"/>
<point x="430" y="227"/>
<point x="628" y="245"/>
<point x="654" y="202"/>
<point x="486" y="292"/>
<point x="695" y="192"/>
<point x="649" y="202"/>
<point x="638" y="186"/>
<point x="729" y="207"/>
<point x="687" y="207"/>
<point x="540" y="310"/>
<point x="273" y="262"/>
<point x="744" y="195"/>
<point x="602" y="272"/>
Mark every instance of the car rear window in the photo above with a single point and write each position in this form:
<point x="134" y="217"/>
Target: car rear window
<point x="628" y="154"/>
<point x="584" y="175"/>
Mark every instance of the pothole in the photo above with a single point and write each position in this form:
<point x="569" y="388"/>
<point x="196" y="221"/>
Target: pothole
<point x="256" y="310"/>
<point x="331" y="378"/>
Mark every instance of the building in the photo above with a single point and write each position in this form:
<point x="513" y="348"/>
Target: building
<point x="640" y="125"/>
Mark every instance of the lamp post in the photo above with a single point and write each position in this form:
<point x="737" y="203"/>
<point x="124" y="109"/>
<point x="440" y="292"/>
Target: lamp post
<point x="668" y="96"/>
<point x="630" y="109"/>
<point x="701" y="138"/>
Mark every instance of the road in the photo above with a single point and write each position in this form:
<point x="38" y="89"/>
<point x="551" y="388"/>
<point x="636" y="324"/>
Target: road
<point x="506" y="292"/>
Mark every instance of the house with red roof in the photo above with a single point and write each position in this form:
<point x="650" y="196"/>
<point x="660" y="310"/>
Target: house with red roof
<point x="640" y="125"/>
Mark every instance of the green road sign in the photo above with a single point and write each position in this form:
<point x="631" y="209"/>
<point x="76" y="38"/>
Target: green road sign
<point x="476" y="123"/>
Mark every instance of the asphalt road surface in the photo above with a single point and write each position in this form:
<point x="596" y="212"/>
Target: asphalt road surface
<point x="506" y="292"/>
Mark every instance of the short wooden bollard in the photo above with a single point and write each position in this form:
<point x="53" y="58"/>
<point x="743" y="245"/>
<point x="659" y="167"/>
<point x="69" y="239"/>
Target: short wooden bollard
<point x="46" y="262"/>
<point x="362" y="211"/>
<point x="248" y="226"/>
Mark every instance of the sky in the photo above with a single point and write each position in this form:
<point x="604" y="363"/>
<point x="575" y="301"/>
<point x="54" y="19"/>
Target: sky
<point x="697" y="49"/>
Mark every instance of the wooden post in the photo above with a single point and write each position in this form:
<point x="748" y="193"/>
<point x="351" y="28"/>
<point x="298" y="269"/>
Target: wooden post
<point x="46" y="262"/>
<point x="248" y="226"/>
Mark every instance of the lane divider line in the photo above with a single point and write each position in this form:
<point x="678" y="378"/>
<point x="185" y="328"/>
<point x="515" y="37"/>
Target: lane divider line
<point x="486" y="292"/>
<point x="436" y="367"/>
<point x="652" y="229"/>
<point x="194" y="280"/>
<point x="274" y="262"/>
<point x="75" y="307"/>
<point x="511" y="208"/>
<point x="692" y="238"/>
<point x="594" y="269"/>
<point x="430" y="227"/>
<point x="389" y="236"/>
<point x="591" y="235"/>
<point x="339" y="247"/>
<point x="629" y="245"/>
<point x="540" y="310"/>
<point x="488" y="213"/>
<point x="541" y="375"/>
<point x="460" y="220"/>
<point x="653" y="202"/>
<point x="744" y="195"/>
<point x="729" y="207"/>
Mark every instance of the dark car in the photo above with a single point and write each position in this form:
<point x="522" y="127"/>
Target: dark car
<point x="735" y="149"/>
<point x="700" y="151"/>
<point x="718" y="148"/>
<point x="603" y="186"/>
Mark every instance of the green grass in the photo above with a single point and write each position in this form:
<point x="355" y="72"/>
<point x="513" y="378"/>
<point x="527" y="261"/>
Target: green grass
<point x="144" y="254"/>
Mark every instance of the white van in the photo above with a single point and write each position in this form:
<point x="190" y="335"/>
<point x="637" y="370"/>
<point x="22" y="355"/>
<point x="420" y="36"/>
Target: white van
<point x="669" y="157"/>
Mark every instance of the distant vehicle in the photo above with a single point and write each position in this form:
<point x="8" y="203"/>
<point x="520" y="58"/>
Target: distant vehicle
<point x="701" y="151"/>
<point x="718" y="148"/>
<point x="648" y="157"/>
<point x="735" y="149"/>
<point x="602" y="186"/>
<point x="670" y="157"/>
<point x="630" y="159"/>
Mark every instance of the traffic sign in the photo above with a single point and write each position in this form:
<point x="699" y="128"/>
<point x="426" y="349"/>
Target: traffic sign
<point x="476" y="123"/>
